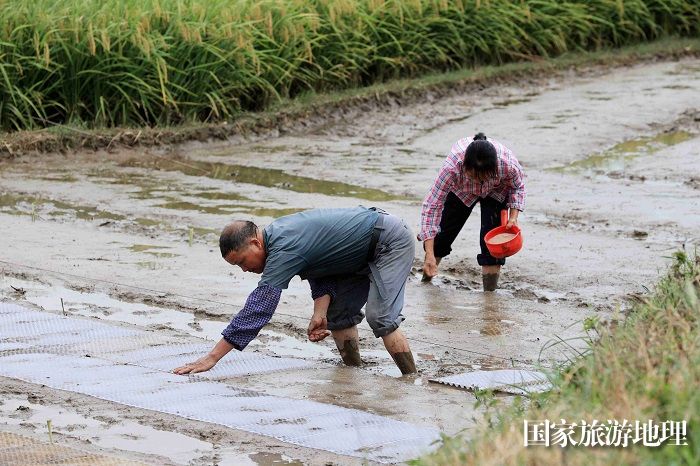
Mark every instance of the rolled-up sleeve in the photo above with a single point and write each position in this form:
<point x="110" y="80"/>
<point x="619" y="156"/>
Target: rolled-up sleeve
<point x="322" y="286"/>
<point x="431" y="212"/>
<point x="516" y="180"/>
<point x="257" y="312"/>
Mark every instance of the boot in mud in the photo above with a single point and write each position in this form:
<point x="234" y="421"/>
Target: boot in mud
<point x="404" y="361"/>
<point x="396" y="344"/>
<point x="427" y="278"/>
<point x="489" y="277"/>
<point x="348" y="343"/>
<point x="350" y="352"/>
<point x="490" y="281"/>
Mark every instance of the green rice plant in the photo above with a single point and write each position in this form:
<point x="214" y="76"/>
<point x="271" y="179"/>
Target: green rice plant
<point x="162" y="62"/>
<point x="49" y="429"/>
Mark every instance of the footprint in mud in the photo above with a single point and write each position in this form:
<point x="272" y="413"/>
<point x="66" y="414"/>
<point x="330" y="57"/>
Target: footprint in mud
<point x="74" y="427"/>
<point x="297" y="421"/>
<point x="195" y="325"/>
<point x="274" y="458"/>
<point x="161" y="327"/>
<point x="106" y="419"/>
<point x="22" y="412"/>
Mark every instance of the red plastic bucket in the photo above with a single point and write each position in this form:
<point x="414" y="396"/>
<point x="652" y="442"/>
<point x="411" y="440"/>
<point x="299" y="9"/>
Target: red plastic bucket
<point x="503" y="242"/>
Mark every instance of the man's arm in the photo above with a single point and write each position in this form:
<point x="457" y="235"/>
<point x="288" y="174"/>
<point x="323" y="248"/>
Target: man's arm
<point x="322" y="292"/>
<point x="245" y="326"/>
<point x="318" y="327"/>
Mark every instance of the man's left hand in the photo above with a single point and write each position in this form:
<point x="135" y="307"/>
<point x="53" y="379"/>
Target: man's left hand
<point x="318" y="328"/>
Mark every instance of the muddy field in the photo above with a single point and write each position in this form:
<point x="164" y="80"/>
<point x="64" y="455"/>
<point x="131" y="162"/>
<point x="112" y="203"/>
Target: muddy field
<point x="131" y="238"/>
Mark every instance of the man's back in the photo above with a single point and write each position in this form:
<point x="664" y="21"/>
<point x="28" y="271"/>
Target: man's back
<point x="317" y="243"/>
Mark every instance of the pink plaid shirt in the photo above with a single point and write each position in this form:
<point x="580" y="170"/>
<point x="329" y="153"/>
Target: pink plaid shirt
<point x="507" y="185"/>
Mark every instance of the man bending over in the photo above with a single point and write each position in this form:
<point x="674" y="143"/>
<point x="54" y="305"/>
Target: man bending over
<point x="351" y="257"/>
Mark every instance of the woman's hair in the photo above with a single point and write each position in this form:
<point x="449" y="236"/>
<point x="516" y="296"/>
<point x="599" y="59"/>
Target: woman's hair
<point x="480" y="157"/>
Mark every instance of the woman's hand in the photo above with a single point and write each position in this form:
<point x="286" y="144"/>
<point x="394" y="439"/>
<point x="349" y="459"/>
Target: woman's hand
<point x="512" y="217"/>
<point x="430" y="266"/>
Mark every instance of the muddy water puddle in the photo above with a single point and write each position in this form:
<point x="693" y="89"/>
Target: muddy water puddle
<point x="228" y="210"/>
<point x="41" y="209"/>
<point x="617" y="158"/>
<point x="38" y="207"/>
<point x="271" y="178"/>
<point x="153" y="250"/>
<point x="186" y="198"/>
<point x="180" y="197"/>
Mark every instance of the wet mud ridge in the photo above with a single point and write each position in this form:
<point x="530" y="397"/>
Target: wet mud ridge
<point x="129" y="239"/>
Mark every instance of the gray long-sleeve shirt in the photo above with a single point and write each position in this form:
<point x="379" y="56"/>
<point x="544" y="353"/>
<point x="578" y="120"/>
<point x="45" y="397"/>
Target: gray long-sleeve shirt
<point x="313" y="244"/>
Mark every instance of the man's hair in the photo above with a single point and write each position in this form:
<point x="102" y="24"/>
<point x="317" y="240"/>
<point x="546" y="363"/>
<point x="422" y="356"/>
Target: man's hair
<point x="480" y="157"/>
<point x="235" y="236"/>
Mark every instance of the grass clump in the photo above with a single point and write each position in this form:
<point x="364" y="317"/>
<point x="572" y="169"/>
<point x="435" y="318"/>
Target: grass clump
<point x="161" y="62"/>
<point x="646" y="368"/>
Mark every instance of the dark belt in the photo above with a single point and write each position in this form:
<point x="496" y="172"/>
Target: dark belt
<point x="376" y="231"/>
<point x="373" y="244"/>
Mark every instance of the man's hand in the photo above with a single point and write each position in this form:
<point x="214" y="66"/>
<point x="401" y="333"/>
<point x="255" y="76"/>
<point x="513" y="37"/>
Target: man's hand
<point x="318" y="328"/>
<point x="206" y="362"/>
<point x="200" y="365"/>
